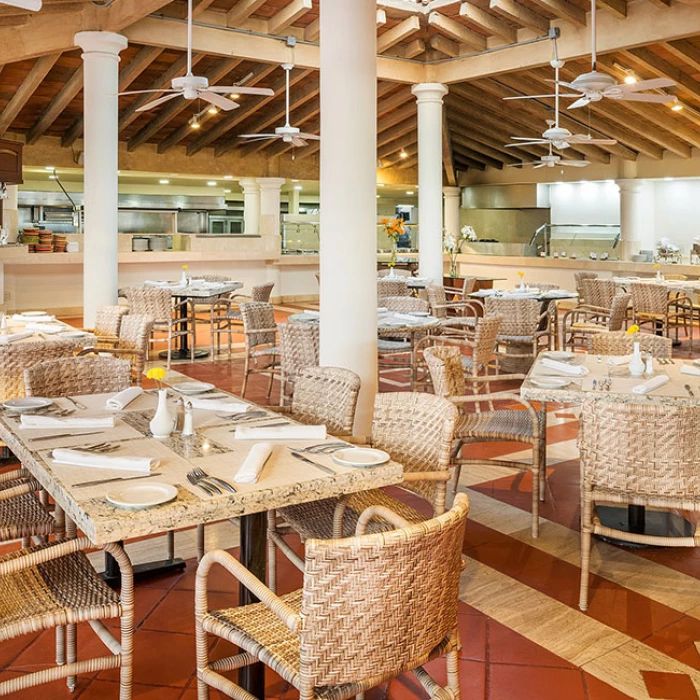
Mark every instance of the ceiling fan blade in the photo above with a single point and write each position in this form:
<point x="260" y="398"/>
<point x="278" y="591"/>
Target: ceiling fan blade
<point x="258" y="136"/>
<point x="645" y="97"/>
<point x="575" y="163"/>
<point x="654" y="84"/>
<point x="241" y="90"/>
<point x="586" y="139"/>
<point x="541" y="165"/>
<point x="528" y="97"/>
<point x="159" y="101"/>
<point x="539" y="142"/>
<point x="33" y="5"/>
<point x="528" y="138"/>
<point x="565" y="84"/>
<point x="308" y="137"/>
<point x="219" y="101"/>
<point x="143" y="92"/>
<point x="582" y="102"/>
<point x="298" y="143"/>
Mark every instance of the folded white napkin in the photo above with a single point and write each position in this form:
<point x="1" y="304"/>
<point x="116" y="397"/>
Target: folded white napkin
<point x="197" y="282"/>
<point x="101" y="461"/>
<point x="406" y="317"/>
<point x="282" y="432"/>
<point x="617" y="360"/>
<point x="576" y="370"/>
<point x="249" y="471"/>
<point x="124" y="398"/>
<point x="651" y="384"/>
<point x="49" y="422"/>
<point x="45" y="328"/>
<point x="47" y="318"/>
<point x="5" y="339"/>
<point x="156" y="283"/>
<point x="690" y="369"/>
<point x="222" y="406"/>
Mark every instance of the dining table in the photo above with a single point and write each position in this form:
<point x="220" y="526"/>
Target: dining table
<point x="214" y="448"/>
<point x="195" y="290"/>
<point x="601" y="374"/>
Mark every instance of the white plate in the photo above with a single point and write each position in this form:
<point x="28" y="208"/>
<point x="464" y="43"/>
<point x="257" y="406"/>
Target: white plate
<point x="30" y="403"/>
<point x="138" y="496"/>
<point x="561" y="355"/>
<point x="360" y="457"/>
<point x="550" y="382"/>
<point x="31" y="314"/>
<point x="420" y="314"/>
<point x="193" y="387"/>
<point x="696" y="363"/>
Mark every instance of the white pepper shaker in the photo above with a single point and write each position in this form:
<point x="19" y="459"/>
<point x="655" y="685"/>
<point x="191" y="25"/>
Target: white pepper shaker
<point x="188" y="425"/>
<point x="649" y="368"/>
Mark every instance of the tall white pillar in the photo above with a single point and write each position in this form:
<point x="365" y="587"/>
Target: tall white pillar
<point x="251" y="206"/>
<point x="270" y="205"/>
<point x="348" y="175"/>
<point x="453" y="204"/>
<point x="636" y="217"/>
<point x="10" y="213"/>
<point x="429" y="98"/>
<point x="293" y="201"/>
<point x="100" y="144"/>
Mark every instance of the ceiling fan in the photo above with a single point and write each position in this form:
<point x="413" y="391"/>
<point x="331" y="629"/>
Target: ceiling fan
<point x="193" y="87"/>
<point x="288" y="133"/>
<point x="32" y="5"/>
<point x="551" y="160"/>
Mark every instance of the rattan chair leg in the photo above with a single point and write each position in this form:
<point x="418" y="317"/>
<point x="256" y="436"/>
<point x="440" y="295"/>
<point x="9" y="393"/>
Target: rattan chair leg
<point x="71" y="653"/>
<point x="453" y="672"/>
<point x="586" y="529"/>
<point x="60" y="646"/>
<point x="200" y="542"/>
<point x="271" y="550"/>
<point x="269" y="385"/>
<point x="246" y="371"/>
<point x="535" y="495"/>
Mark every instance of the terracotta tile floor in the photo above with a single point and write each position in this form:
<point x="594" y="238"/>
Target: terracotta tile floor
<point x="523" y="637"/>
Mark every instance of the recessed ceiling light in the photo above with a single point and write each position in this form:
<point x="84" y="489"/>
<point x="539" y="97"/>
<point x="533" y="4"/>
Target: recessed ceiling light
<point x="676" y="106"/>
<point x="227" y="191"/>
<point x="163" y="182"/>
<point x="378" y="196"/>
<point x="228" y="177"/>
<point x="410" y="192"/>
<point x="298" y="187"/>
<point x="49" y="168"/>
<point x="630" y="79"/>
<point x="212" y="110"/>
<point x="212" y="183"/>
<point x="403" y="154"/>
<point x="235" y="96"/>
<point x="194" y="123"/>
<point x="295" y="180"/>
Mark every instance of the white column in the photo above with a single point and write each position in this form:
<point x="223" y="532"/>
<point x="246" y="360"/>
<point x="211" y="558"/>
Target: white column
<point x="429" y="98"/>
<point x="636" y="217"/>
<point x="453" y="204"/>
<point x="251" y="206"/>
<point x="100" y="144"/>
<point x="293" y="201"/>
<point x="10" y="213"/>
<point x="270" y="205"/>
<point x="348" y="176"/>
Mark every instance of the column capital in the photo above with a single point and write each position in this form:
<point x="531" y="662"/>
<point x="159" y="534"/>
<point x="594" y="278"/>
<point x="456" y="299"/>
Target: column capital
<point x="249" y="185"/>
<point x="107" y="43"/>
<point x="429" y="92"/>
<point x="271" y="183"/>
<point x="630" y="186"/>
<point x="452" y="191"/>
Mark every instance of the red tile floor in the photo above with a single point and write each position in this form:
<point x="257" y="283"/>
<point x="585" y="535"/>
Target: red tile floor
<point x="523" y="637"/>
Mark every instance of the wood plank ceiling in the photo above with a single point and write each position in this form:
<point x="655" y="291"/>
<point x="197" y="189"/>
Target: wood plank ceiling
<point x="43" y="96"/>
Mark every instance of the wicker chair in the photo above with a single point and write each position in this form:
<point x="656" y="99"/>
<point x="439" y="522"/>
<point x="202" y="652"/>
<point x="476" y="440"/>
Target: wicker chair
<point x="417" y="430"/>
<point x="400" y="350"/>
<point x="207" y="310"/>
<point x="372" y="607"/>
<point x="543" y="286"/>
<point x="621" y="343"/>
<point x="260" y="341"/>
<point x="676" y="278"/>
<point x="168" y="316"/>
<point x="108" y="320"/>
<point x="227" y="314"/>
<point x="47" y="587"/>
<point x="599" y="294"/>
<point x="133" y="342"/>
<point x="651" y="305"/>
<point x="466" y="311"/>
<point x="493" y="424"/>
<point x="77" y="375"/>
<point x="403" y="305"/>
<point x="579" y="277"/>
<point x="298" y="343"/>
<point x="398" y="272"/>
<point x="392" y="287"/>
<point x="579" y="324"/>
<point x="642" y="454"/>
<point x="22" y="515"/>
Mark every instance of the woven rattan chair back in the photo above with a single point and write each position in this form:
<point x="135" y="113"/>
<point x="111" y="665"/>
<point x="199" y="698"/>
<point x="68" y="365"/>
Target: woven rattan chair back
<point x="134" y="335"/>
<point x="258" y="316"/>
<point x="390" y="598"/>
<point x="437" y="300"/>
<point x="649" y="298"/>
<point x="261" y="292"/>
<point x="108" y="320"/>
<point x="579" y="277"/>
<point x="417" y="430"/>
<point x="326" y="395"/>
<point x="216" y="278"/>
<point x="403" y="305"/>
<point x="598" y="293"/>
<point x="392" y="287"/>
<point x="469" y="286"/>
<point x="620" y="343"/>
<point x="519" y="317"/>
<point x="154" y="302"/>
<point x="446" y="371"/>
<point x="298" y="343"/>
<point x="643" y="450"/>
<point x="544" y="286"/>
<point x="618" y="311"/>
<point x="77" y="375"/>
<point x="485" y="335"/>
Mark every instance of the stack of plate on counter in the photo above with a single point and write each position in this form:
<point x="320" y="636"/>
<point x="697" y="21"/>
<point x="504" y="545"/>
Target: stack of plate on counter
<point x="30" y="236"/>
<point x="59" y="243"/>
<point x="45" y="242"/>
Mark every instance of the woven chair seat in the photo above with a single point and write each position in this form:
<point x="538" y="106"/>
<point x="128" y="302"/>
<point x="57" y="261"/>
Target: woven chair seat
<point x="65" y="590"/>
<point x="500" y="425"/>
<point x="23" y="516"/>
<point x="274" y="350"/>
<point x="232" y="316"/>
<point x="455" y="321"/>
<point x="315" y="519"/>
<point x="386" y="345"/>
<point x="521" y="338"/>
<point x="587" y="328"/>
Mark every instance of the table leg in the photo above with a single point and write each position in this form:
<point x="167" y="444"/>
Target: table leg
<point x="183" y="352"/>
<point x="112" y="575"/>
<point x="253" y="552"/>
<point x="638" y="520"/>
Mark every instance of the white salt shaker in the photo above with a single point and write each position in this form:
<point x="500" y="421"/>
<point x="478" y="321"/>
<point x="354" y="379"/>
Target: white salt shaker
<point x="188" y="425"/>
<point x="649" y="367"/>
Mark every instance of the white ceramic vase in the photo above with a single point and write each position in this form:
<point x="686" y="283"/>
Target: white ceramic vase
<point x="637" y="365"/>
<point x="162" y="423"/>
<point x="183" y="279"/>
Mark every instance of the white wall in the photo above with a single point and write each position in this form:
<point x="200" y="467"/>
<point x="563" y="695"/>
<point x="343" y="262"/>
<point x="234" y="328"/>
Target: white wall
<point x="678" y="212"/>
<point x="585" y="203"/>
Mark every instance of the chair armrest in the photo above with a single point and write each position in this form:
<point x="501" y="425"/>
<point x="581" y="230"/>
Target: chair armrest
<point x="14" y="475"/>
<point x="31" y="557"/>
<point x="20" y="490"/>
<point x="501" y="396"/>
<point x="496" y="378"/>
<point x="286" y="614"/>
<point x="585" y="313"/>
<point x="379" y="513"/>
<point x="286" y="410"/>
<point x="427" y="476"/>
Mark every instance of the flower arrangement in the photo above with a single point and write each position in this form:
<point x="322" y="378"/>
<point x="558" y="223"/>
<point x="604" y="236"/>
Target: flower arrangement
<point x="158" y="374"/>
<point x="521" y="274"/>
<point x="633" y="330"/>
<point x="452" y="245"/>
<point x="393" y="229"/>
<point x="184" y="279"/>
<point x="468" y="233"/>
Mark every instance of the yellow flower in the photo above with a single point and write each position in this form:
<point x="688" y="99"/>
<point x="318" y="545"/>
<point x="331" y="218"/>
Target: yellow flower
<point x="156" y="373"/>
<point x="656" y="266"/>
<point x="521" y="274"/>
<point x="633" y="329"/>
<point x="185" y="267"/>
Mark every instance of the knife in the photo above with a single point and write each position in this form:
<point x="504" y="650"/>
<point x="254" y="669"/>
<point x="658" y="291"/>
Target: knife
<point x="322" y="467"/>
<point x="77" y="404"/>
<point x="97" y="482"/>
<point x="64" y="435"/>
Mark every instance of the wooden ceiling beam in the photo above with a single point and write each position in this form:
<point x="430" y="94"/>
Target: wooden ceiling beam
<point x="687" y="52"/>
<point x="663" y="68"/>
<point x="313" y="30"/>
<point x="288" y="15"/>
<point x="478" y="146"/>
<point x="464" y="151"/>
<point x="398" y="33"/>
<point x="564" y="9"/>
<point x="396" y="133"/>
<point x="482" y="20"/>
<point x="411" y="49"/>
<point x="242" y="10"/>
<point x="448" y="165"/>
<point x="124" y="13"/>
<point x="22" y="94"/>
<point x="617" y="8"/>
<point x="168" y="112"/>
<point x="404" y="141"/>
<point x="661" y="3"/>
<point x="441" y="43"/>
<point x="457" y="31"/>
<point x="513" y="11"/>
<point x="67" y="94"/>
<point x="260" y="72"/>
<point x="464" y="158"/>
<point x="394" y="158"/>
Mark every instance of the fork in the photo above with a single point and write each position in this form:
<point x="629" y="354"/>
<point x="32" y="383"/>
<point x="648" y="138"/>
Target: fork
<point x="209" y="489"/>
<point x="324" y="447"/>
<point x="200" y="474"/>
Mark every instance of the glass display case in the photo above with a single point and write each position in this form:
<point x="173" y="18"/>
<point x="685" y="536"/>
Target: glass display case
<point x="577" y="241"/>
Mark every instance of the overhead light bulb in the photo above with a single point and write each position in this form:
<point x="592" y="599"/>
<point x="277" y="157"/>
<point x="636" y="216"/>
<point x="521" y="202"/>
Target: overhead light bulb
<point x="298" y="187"/>
<point x="228" y="177"/>
<point x="676" y="106"/>
<point x="235" y="96"/>
<point x="212" y="110"/>
<point x="409" y="192"/>
<point x="212" y="183"/>
<point x="53" y="177"/>
<point x="630" y="79"/>
<point x="164" y="182"/>
<point x="403" y="154"/>
<point x="194" y="123"/>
